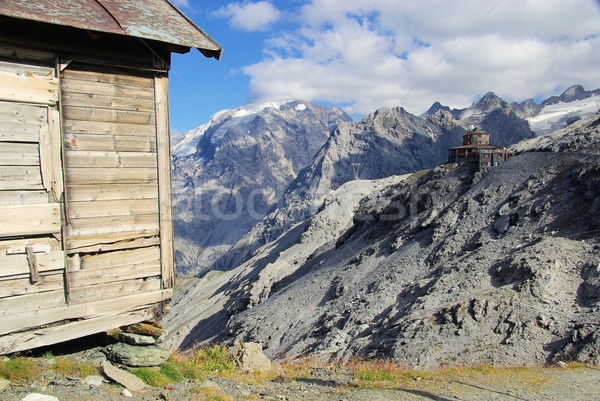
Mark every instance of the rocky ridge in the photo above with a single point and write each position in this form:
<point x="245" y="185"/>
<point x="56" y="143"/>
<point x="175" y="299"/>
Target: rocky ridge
<point x="448" y="266"/>
<point x="229" y="172"/>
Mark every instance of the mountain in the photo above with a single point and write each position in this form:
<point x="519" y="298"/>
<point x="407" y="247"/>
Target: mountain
<point x="451" y="265"/>
<point x="230" y="171"/>
<point x="386" y="142"/>
<point x="552" y="114"/>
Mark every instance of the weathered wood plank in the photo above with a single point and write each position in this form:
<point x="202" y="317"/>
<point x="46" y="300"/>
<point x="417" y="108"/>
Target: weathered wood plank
<point x="29" y="220"/>
<point x="23" y="197"/>
<point x="107" y="102"/>
<point x="51" y="335"/>
<point x="56" y="162"/>
<point x="12" y="265"/>
<point x="10" y="245"/>
<point x="110" y="159"/>
<point x="76" y="113"/>
<point x="112" y="290"/>
<point x="79" y="210"/>
<point x="22" y="286"/>
<point x="19" y="132"/>
<point x="120" y="245"/>
<point x="99" y="192"/>
<point x="120" y="274"/>
<point x="19" y="154"/>
<point x="28" y="89"/>
<point x="20" y="178"/>
<point x="32" y="302"/>
<point x="24" y="69"/>
<point x="70" y="85"/>
<point x="18" y="113"/>
<point x="117" y="143"/>
<point x="112" y="225"/>
<point x="26" y="54"/>
<point x="108" y="128"/>
<point x="86" y="310"/>
<point x="107" y="260"/>
<point x="79" y="175"/>
<point x="122" y="79"/>
<point x="101" y="242"/>
<point x="163" y="134"/>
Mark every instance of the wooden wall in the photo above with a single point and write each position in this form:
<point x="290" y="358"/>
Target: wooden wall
<point x="85" y="227"/>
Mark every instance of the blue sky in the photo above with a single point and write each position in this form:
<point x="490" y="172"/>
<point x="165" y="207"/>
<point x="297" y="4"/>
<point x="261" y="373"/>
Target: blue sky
<point x="362" y="55"/>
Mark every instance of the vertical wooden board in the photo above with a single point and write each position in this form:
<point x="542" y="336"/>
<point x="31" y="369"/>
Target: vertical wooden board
<point x="163" y="136"/>
<point x="56" y="166"/>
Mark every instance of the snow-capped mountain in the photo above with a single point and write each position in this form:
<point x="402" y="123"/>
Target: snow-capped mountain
<point x="228" y="172"/>
<point x="552" y="114"/>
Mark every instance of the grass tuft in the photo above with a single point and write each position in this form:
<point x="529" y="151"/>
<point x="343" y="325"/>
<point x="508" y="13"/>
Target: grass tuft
<point x="19" y="369"/>
<point x="67" y="367"/>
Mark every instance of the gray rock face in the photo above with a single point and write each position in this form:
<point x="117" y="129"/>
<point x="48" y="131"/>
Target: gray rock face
<point x="385" y="143"/>
<point x="132" y="355"/>
<point x="448" y="266"/>
<point x="228" y="173"/>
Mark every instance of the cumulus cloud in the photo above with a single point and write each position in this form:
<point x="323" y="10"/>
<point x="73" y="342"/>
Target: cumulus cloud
<point x="366" y="55"/>
<point x="249" y="16"/>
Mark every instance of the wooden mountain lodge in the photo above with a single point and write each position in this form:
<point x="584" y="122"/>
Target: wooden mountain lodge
<point x="476" y="148"/>
<point x="86" y="236"/>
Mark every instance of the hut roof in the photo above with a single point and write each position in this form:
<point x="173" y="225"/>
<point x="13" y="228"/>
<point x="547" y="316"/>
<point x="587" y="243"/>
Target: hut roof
<point x="157" y="20"/>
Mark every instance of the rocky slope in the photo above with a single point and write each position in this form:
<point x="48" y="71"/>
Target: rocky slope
<point x="230" y="171"/>
<point x="451" y="265"/>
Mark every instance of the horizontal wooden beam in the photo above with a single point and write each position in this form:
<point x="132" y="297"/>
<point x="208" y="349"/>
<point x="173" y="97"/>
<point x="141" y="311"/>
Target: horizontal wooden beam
<point x="18" y="220"/>
<point x="122" y="143"/>
<point x="28" y="89"/>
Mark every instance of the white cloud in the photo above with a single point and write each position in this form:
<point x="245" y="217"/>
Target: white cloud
<point x="249" y="16"/>
<point x="366" y="55"/>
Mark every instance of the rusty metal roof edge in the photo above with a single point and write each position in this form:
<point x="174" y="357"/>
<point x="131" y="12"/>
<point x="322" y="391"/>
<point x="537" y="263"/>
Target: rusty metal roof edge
<point x="216" y="53"/>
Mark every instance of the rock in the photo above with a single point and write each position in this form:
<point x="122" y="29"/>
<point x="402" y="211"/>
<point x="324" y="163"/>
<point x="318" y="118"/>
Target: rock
<point x="126" y="393"/>
<point x="146" y="328"/>
<point x="561" y="364"/>
<point x="250" y="357"/>
<point x="136" y="339"/>
<point x="131" y="355"/>
<point x="93" y="380"/>
<point x="39" y="397"/>
<point x="4" y="384"/>
<point x="126" y="379"/>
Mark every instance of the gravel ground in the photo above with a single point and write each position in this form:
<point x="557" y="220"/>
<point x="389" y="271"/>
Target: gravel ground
<point x="580" y="383"/>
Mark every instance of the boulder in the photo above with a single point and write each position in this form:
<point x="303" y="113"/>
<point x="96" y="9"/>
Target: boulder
<point x="126" y="379"/>
<point x="250" y="357"/>
<point x="93" y="380"/>
<point x="131" y="355"/>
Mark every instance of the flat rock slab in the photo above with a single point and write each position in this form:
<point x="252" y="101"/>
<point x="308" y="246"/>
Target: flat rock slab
<point x="134" y="355"/>
<point x="4" y="384"/>
<point x="136" y="339"/>
<point x="146" y="328"/>
<point x="126" y="379"/>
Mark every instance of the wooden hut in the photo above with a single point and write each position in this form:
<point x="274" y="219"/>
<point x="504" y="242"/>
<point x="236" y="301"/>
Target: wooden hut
<point x="86" y="238"/>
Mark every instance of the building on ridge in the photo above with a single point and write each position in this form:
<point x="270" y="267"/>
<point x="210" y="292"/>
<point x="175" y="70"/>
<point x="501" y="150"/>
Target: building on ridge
<point x="476" y="148"/>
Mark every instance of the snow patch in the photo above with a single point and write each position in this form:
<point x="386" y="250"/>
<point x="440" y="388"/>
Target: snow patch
<point x="300" y="107"/>
<point x="552" y="114"/>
